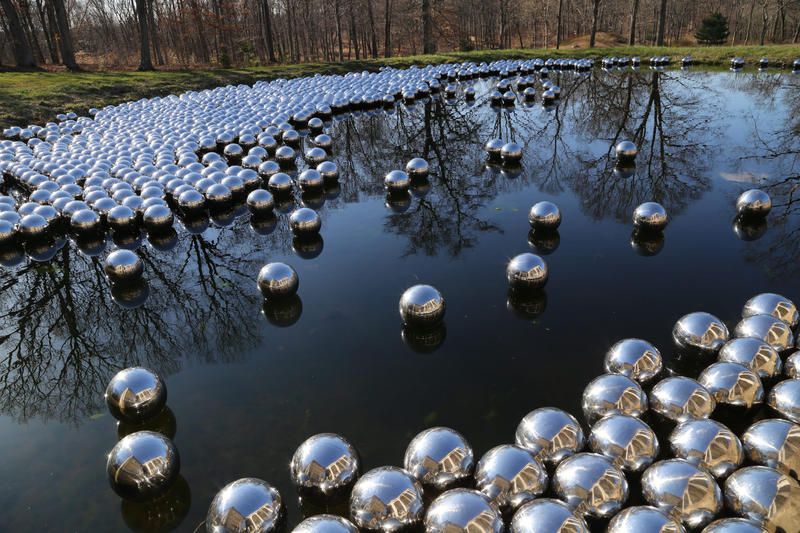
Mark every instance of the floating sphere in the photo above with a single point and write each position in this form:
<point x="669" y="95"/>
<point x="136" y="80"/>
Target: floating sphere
<point x="626" y="150"/>
<point x="732" y="384"/>
<point x="158" y="218"/>
<point x="7" y="232"/>
<point x="291" y="138"/>
<point x="627" y="441"/>
<point x="310" y="179"/>
<point x="546" y="515"/>
<point x="233" y="151"/>
<point x="191" y="201"/>
<point x="121" y="218"/>
<point x="247" y="505"/>
<point x="776" y="305"/>
<point x="550" y="434"/>
<point x="285" y="156"/>
<point x="527" y="271"/>
<point x="511" y="153"/>
<point x="753" y="203"/>
<point x="680" y="398"/>
<point x="325" y="523"/>
<point x="774" y="443"/>
<point x="643" y="519"/>
<point x="510" y="476"/>
<point x="767" y="328"/>
<point x="268" y="168"/>
<point x="142" y="465"/>
<point x="612" y="394"/>
<point x="493" y="147"/>
<point x="396" y="181"/>
<point x="733" y="525"/>
<point x="219" y="195"/>
<point x="280" y="183"/>
<point x="325" y="463"/>
<point x="123" y="266"/>
<point x="417" y="168"/>
<point x="683" y="491"/>
<point x="708" y="445"/>
<point x="549" y="96"/>
<point x="32" y="226"/>
<point x="544" y="215"/>
<point x="305" y="221"/>
<point x="635" y="358"/>
<point x="422" y="305"/>
<point x="316" y="155"/>
<point x="792" y="366"/>
<point x="328" y="170"/>
<point x="785" y="399"/>
<point x="753" y="353"/>
<point x="135" y="394"/>
<point x="316" y="124"/>
<point x="260" y="202"/>
<point x="235" y="184"/>
<point x="764" y="495"/>
<point x="324" y="141"/>
<point x="650" y="216"/>
<point x="277" y="280"/>
<point x="463" y="511"/>
<point x="591" y="485"/>
<point x="386" y="499"/>
<point x="439" y="457"/>
<point x="701" y="332"/>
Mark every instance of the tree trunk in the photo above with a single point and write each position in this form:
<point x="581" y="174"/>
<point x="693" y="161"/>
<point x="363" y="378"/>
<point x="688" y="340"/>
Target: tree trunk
<point x="23" y="55"/>
<point x="373" y="35"/>
<point x="765" y="20"/>
<point x="387" y="29"/>
<point x="145" y="61"/>
<point x="339" y="30"/>
<point x="595" y="10"/>
<point x="67" y="50"/>
<point x="47" y="20"/>
<point x="428" y="46"/>
<point x="558" y="23"/>
<point x="662" y="22"/>
<point x="268" y="30"/>
<point x="634" y="12"/>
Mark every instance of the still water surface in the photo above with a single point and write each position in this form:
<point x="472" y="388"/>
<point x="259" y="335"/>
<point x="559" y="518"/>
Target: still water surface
<point x="248" y="383"/>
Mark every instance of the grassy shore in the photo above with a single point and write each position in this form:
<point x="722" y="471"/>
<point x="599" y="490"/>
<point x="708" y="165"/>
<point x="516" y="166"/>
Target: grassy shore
<point x="35" y="97"/>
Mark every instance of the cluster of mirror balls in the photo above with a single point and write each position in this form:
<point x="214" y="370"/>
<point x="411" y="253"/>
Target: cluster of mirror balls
<point x="553" y="478"/>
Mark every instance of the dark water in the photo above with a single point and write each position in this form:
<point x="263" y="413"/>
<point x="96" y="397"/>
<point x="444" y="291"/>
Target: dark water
<point x="247" y="384"/>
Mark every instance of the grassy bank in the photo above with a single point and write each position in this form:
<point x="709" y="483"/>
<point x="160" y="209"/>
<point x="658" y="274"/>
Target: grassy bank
<point x="35" y="97"/>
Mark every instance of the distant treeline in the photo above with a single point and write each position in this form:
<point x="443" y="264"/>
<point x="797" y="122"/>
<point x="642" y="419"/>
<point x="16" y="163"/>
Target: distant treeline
<point x="192" y="33"/>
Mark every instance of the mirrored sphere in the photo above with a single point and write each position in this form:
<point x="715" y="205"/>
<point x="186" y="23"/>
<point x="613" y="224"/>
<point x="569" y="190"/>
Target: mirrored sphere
<point x="635" y="358"/>
<point x="547" y="516"/>
<point x="627" y="441"/>
<point x="700" y="331"/>
<point x="591" y="485"/>
<point x="439" y="457"/>
<point x="774" y="443"/>
<point x="753" y="203"/>
<point x="142" y="465"/>
<point x="135" y="394"/>
<point x="754" y="354"/>
<point x="493" y="147"/>
<point x="769" y="329"/>
<point x="396" y="180"/>
<point x="123" y="266"/>
<point x="764" y="495"/>
<point x="277" y="280"/>
<point x="643" y="519"/>
<point x="707" y="444"/>
<point x="734" y="525"/>
<point x="544" y="215"/>
<point x="776" y="305"/>
<point x="280" y="183"/>
<point x="550" y="434"/>
<point x="792" y="366"/>
<point x="305" y="221"/>
<point x="650" y="216"/>
<point x="260" y="202"/>
<point x="247" y="505"/>
<point x="511" y="153"/>
<point x="527" y="271"/>
<point x="463" y="511"/>
<point x="626" y="150"/>
<point x="733" y="384"/>
<point x="386" y="499"/>
<point x="510" y="476"/>
<point x="325" y="523"/>
<point x="158" y="218"/>
<point x="310" y="179"/>
<point x="612" y="394"/>
<point x="683" y="491"/>
<point x="422" y="305"/>
<point x="326" y="463"/>
<point x="785" y="399"/>
<point x="417" y="168"/>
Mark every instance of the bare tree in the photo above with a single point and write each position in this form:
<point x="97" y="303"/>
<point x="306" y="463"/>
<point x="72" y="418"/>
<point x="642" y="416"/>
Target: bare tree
<point x="65" y="35"/>
<point x="634" y="13"/>
<point x="595" y="12"/>
<point x="662" y="23"/>
<point x="23" y="55"/>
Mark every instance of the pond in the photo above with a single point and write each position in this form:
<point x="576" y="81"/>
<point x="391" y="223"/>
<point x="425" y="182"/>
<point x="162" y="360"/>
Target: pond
<point x="248" y="381"/>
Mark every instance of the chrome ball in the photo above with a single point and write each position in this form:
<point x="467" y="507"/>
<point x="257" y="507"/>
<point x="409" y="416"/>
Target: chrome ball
<point x="785" y="399"/>
<point x="422" y="305"/>
<point x="191" y="201"/>
<point x="32" y="226"/>
<point x="463" y="511"/>
<point x="683" y="491"/>
<point x="767" y="328"/>
<point x="324" y="141"/>
<point x="627" y="441"/>
<point x="277" y="280"/>
<point x="511" y="153"/>
<point x="417" y="168"/>
<point x="679" y="398"/>
<point x="635" y="358"/>
<point x="550" y="434"/>
<point x="764" y="495"/>
<point x="219" y="195"/>
<point x="121" y="218"/>
<point x="591" y="485"/>
<point x="396" y="181"/>
<point x="285" y="156"/>
<point x="328" y="170"/>
<point x="753" y="203"/>
<point x="158" y="218"/>
<point x="547" y="516"/>
<point x="85" y="221"/>
<point x="510" y="476"/>
<point x="247" y="505"/>
<point x="753" y="353"/>
<point x="310" y="179"/>
<point x="316" y="155"/>
<point x="708" y="445"/>
<point x="700" y="331"/>
<point x="626" y="150"/>
<point x="135" y="394"/>
<point x="325" y="523"/>
<point x="386" y="499"/>
<point x="305" y="221"/>
<point x="527" y="271"/>
<point x="439" y="457"/>
<point x="650" y="216"/>
<point x="325" y="463"/>
<point x="776" y="305"/>
<point x="280" y="183"/>
<point x="260" y="202"/>
<point x="493" y="147"/>
<point x="142" y="465"/>
<point x="268" y="169"/>
<point x="643" y="519"/>
<point x="774" y="443"/>
<point x="792" y="366"/>
<point x="7" y="232"/>
<point x="733" y="525"/>
<point x="123" y="266"/>
<point x="544" y="215"/>
<point x="732" y="384"/>
<point x="612" y="394"/>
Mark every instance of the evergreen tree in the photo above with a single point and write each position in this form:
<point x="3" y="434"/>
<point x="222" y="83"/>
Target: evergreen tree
<point x="713" y="30"/>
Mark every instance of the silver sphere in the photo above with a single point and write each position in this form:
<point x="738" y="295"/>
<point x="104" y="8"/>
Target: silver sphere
<point x="753" y="353"/>
<point x="769" y="329"/>
<point x="123" y="266"/>
<point x="396" y="180"/>
<point x="700" y="331"/>
<point x="627" y="441"/>
<point x="280" y="183"/>
<point x="325" y="523"/>
<point x="679" y="398"/>
<point x="527" y="271"/>
<point x="422" y="305"/>
<point x="776" y="305"/>
<point x="417" y="168"/>
<point x="386" y="499"/>
<point x="733" y="525"/>
<point x="85" y="221"/>
<point x="316" y="155"/>
<point x="550" y="434"/>
<point x="324" y="141"/>
<point x="158" y="218"/>
<point x="643" y="519"/>
<point x="142" y="465"/>
<point x="792" y="366"/>
<point x="121" y="218"/>
<point x="732" y="384"/>
<point x="547" y="516"/>
<point x="325" y="463"/>
<point x="285" y="156"/>
<point x="511" y="153"/>
<point x="774" y="443"/>
<point x="260" y="202"/>
<point x="766" y="496"/>
<point x="463" y="511"/>
<point x="191" y="201"/>
<point x="32" y="226"/>
<point x="310" y="179"/>
<point x="544" y="215"/>
<point x="493" y="147"/>
<point x="219" y="195"/>
<point x="277" y="280"/>
<point x="785" y="399"/>
<point x="7" y="232"/>
<point x="650" y="216"/>
<point x="683" y="491"/>
<point x="612" y="394"/>
<point x="626" y="150"/>
<point x="635" y="358"/>
<point x="439" y="457"/>
<point x="707" y="444"/>
<point x="135" y="394"/>
<point x="305" y="221"/>
<point x="510" y="476"/>
<point x="591" y="485"/>
<point x="753" y="203"/>
<point x="247" y="505"/>
<point x="328" y="170"/>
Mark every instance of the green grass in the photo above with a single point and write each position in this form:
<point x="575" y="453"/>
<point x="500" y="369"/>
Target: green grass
<point x="36" y="96"/>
